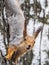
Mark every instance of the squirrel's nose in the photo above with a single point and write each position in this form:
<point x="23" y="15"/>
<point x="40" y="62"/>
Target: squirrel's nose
<point x="28" y="47"/>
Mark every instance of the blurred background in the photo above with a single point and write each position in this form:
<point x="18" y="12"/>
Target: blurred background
<point x="36" y="13"/>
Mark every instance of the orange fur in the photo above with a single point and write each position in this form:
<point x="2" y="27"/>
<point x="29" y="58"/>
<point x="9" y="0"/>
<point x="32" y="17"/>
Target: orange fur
<point x="23" y="47"/>
<point x="29" y="41"/>
<point x="11" y="50"/>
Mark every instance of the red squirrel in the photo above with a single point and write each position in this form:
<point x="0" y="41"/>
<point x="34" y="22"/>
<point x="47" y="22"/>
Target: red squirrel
<point x="23" y="47"/>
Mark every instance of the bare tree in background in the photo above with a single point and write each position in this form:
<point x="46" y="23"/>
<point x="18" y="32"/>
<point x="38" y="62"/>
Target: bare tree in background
<point x="27" y="59"/>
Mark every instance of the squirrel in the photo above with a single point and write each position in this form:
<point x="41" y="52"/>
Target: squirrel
<point x="23" y="47"/>
<point x="16" y="51"/>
